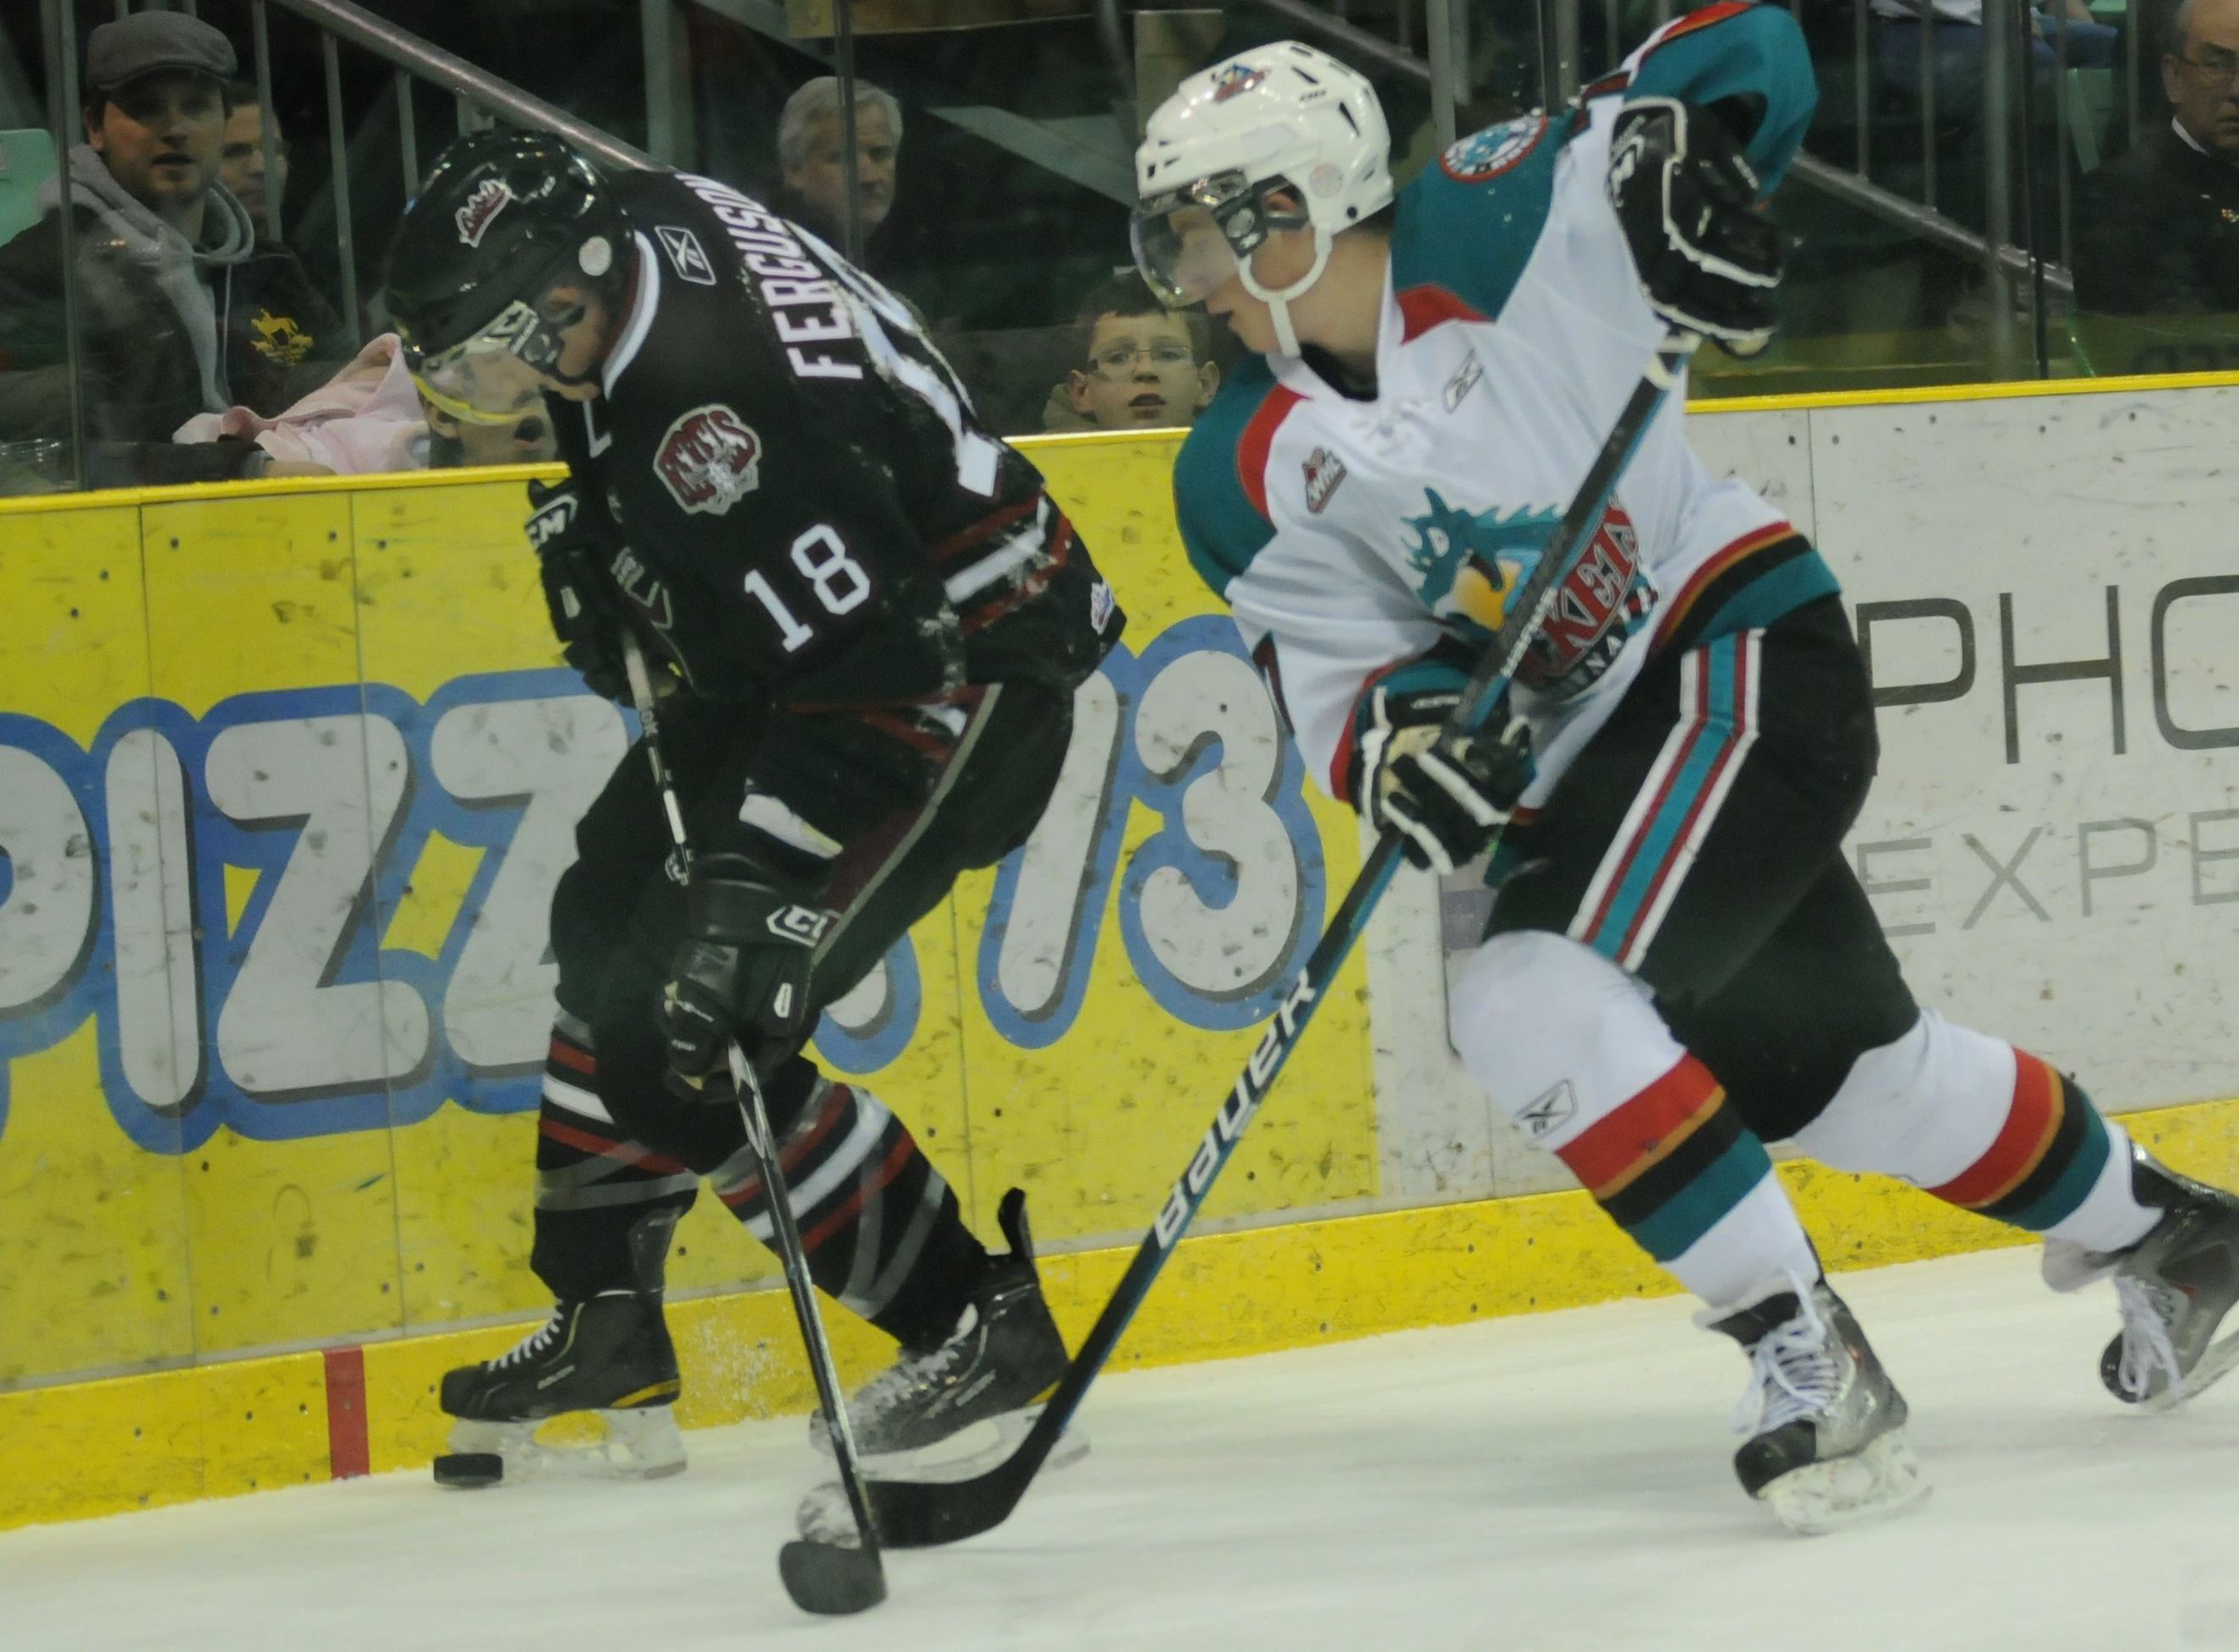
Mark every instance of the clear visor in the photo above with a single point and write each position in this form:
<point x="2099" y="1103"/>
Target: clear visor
<point x="494" y="377"/>
<point x="1186" y="243"/>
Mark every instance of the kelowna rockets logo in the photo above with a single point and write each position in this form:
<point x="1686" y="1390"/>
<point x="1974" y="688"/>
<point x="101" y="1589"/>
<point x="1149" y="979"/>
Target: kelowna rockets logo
<point x="1237" y="78"/>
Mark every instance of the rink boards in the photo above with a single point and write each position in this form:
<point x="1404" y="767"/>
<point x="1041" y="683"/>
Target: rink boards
<point x="286" y="776"/>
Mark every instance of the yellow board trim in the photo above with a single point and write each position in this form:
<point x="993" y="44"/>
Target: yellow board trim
<point x="187" y="493"/>
<point x="72" y="1451"/>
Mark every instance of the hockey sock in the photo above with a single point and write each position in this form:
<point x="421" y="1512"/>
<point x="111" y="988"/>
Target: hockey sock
<point x="605" y="1205"/>
<point x="882" y="1229"/>
<point x="1677" y="1169"/>
<point x="1988" y="1128"/>
<point x="1571" y="1046"/>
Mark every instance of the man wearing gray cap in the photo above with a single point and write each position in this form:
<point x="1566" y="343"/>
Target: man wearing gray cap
<point x="181" y="309"/>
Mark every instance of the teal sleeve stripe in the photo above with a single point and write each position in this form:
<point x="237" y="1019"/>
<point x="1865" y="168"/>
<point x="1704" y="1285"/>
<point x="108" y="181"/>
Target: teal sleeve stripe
<point x="1754" y="52"/>
<point x="1468" y="223"/>
<point x="1786" y="588"/>
<point x="1221" y="529"/>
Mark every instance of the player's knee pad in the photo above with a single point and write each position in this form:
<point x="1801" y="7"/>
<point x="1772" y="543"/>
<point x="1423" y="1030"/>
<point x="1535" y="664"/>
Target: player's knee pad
<point x="1924" y="1106"/>
<point x="1542" y="1022"/>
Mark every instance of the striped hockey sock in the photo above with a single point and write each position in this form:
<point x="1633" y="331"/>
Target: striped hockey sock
<point x="882" y="1228"/>
<point x="2055" y="1167"/>
<point x="1677" y="1169"/>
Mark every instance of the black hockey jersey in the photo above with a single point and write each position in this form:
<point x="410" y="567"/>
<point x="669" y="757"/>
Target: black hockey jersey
<point x="807" y="518"/>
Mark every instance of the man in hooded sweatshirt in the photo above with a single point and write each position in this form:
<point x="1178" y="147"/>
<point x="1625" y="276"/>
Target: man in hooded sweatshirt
<point x="181" y="309"/>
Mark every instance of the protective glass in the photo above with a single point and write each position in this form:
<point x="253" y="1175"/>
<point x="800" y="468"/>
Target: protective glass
<point x="492" y="377"/>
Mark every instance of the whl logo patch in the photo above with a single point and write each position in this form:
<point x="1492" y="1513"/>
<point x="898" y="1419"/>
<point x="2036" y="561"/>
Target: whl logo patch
<point x="709" y="459"/>
<point x="491" y="197"/>
<point x="1325" y="470"/>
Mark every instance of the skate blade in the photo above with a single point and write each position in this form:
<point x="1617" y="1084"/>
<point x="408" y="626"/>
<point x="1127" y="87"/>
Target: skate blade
<point x="1879" y="1482"/>
<point x="637" y="1444"/>
<point x="2217" y="1363"/>
<point x="825" y="1516"/>
<point x="963" y="1454"/>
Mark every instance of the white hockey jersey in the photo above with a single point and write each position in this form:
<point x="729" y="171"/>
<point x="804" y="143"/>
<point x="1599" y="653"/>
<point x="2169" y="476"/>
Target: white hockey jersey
<point x="1368" y="541"/>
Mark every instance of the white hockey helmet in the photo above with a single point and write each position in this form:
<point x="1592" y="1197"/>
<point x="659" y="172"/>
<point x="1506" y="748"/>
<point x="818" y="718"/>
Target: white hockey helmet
<point x="1281" y="117"/>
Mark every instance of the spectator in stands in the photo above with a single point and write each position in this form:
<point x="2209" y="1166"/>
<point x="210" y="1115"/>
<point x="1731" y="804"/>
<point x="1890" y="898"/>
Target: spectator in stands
<point x="1142" y="366"/>
<point x="2157" y="231"/>
<point x="240" y="158"/>
<point x="1956" y="45"/>
<point x="182" y="311"/>
<point x="812" y="159"/>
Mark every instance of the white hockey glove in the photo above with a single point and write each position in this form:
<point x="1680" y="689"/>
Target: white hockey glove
<point x="1686" y="199"/>
<point x="1447" y="796"/>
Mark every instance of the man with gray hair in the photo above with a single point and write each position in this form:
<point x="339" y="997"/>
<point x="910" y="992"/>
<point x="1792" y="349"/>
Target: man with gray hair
<point x="812" y="158"/>
<point x="2157" y="231"/>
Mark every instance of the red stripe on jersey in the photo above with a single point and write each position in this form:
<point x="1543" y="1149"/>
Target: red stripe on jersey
<point x="985" y="529"/>
<point x="572" y="1057"/>
<point x="1259" y="436"/>
<point x="1057" y="551"/>
<point x="1421" y="309"/>
<point x="839" y="1103"/>
<point x="1694" y="20"/>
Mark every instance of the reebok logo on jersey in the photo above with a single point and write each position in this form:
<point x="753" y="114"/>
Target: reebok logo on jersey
<point x="1325" y="470"/>
<point x="1464" y="380"/>
<point x="709" y="459"/>
<point x="1550" y="1112"/>
<point x="488" y="200"/>
<point x="686" y="253"/>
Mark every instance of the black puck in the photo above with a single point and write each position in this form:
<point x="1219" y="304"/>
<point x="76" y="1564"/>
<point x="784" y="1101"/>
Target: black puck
<point x="468" y="1469"/>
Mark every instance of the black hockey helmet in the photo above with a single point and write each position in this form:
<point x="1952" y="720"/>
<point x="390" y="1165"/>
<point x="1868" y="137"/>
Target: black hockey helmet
<point x="504" y="217"/>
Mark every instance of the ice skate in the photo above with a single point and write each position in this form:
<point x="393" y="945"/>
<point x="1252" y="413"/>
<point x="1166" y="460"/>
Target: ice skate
<point x="922" y="1416"/>
<point x="1826" y="1444"/>
<point x="2175" y="1286"/>
<point x="605" y="1365"/>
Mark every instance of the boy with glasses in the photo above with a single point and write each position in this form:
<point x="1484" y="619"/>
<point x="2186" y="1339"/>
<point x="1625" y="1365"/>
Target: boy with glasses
<point x="1141" y="365"/>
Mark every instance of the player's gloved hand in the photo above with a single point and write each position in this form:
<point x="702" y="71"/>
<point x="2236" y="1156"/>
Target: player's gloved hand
<point x="1447" y="796"/>
<point x="1687" y="198"/>
<point x="570" y="552"/>
<point x="740" y="973"/>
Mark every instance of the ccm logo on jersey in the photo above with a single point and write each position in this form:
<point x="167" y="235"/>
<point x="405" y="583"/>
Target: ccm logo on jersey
<point x="1325" y="470"/>
<point x="804" y="925"/>
<point x="710" y="459"/>
<point x="685" y="252"/>
<point x="488" y="200"/>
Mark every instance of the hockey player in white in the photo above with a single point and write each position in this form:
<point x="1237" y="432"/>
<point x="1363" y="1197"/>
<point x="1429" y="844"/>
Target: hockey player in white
<point x="1679" y="965"/>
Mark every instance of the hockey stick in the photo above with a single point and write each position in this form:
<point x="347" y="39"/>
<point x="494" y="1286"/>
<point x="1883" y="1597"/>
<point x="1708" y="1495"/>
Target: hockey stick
<point x="914" y="1514"/>
<point x="830" y="1579"/>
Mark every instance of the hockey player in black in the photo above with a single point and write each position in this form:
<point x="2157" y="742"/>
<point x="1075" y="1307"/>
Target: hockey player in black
<point x="868" y="618"/>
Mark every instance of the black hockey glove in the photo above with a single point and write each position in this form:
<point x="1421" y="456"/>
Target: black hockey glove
<point x="571" y="553"/>
<point x="741" y="972"/>
<point x="1686" y="197"/>
<point x="1447" y="796"/>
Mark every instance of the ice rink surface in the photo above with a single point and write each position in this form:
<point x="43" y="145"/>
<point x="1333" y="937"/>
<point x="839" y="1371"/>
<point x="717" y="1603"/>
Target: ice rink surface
<point x="1527" y="1485"/>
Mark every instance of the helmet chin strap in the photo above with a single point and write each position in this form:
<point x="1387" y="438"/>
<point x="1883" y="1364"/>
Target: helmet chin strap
<point x="1278" y="303"/>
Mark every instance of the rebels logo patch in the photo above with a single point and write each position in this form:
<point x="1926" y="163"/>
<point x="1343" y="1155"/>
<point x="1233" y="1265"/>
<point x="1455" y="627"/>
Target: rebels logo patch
<point x="489" y="198"/>
<point x="1494" y="151"/>
<point x="710" y="459"/>
<point x="1325" y="470"/>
